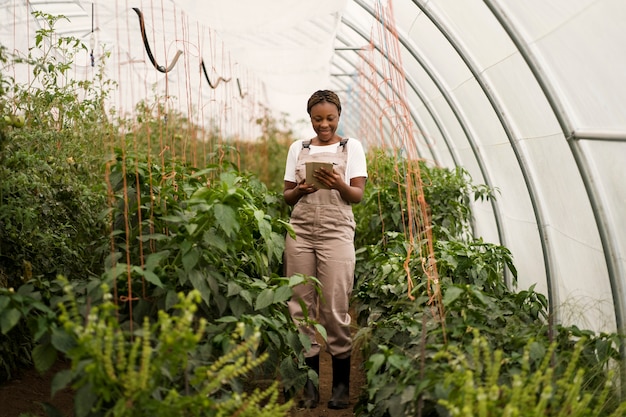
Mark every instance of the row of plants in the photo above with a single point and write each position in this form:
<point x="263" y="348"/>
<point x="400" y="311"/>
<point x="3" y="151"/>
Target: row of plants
<point x="132" y="228"/>
<point x="493" y="350"/>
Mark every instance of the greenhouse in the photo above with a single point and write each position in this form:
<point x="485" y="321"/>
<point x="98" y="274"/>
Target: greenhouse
<point x="146" y="217"/>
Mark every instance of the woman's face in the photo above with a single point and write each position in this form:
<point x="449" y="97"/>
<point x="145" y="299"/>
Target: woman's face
<point x="325" y="119"/>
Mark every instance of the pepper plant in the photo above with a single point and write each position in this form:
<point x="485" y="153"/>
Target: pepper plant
<point x="402" y="337"/>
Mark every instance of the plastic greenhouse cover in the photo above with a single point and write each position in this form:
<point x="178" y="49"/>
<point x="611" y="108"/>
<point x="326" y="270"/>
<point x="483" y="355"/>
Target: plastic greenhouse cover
<point x="528" y="96"/>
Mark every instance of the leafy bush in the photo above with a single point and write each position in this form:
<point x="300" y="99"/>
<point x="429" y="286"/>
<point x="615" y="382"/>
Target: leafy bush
<point x="403" y="338"/>
<point x="25" y="319"/>
<point x="214" y="230"/>
<point x="478" y="386"/>
<point x="50" y="189"/>
<point x="151" y="371"/>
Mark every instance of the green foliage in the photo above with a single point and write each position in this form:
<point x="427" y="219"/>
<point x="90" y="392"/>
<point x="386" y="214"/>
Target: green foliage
<point x="48" y="214"/>
<point x="475" y="262"/>
<point x="403" y="338"/>
<point x="478" y="386"/>
<point x="265" y="157"/>
<point x="151" y="371"/>
<point x="54" y="100"/>
<point x="25" y="318"/>
<point x="216" y="231"/>
<point x="448" y="194"/>
<point x="49" y="187"/>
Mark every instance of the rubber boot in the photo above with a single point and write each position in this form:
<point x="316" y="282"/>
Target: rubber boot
<point x="340" y="398"/>
<point x="311" y="394"/>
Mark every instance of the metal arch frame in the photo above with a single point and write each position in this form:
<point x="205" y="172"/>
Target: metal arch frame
<point x="377" y="73"/>
<point x="414" y="116"/>
<point x="431" y="148"/>
<point x="529" y="180"/>
<point x="609" y="244"/>
<point x="425" y="103"/>
<point x="369" y="104"/>
<point x="460" y="119"/>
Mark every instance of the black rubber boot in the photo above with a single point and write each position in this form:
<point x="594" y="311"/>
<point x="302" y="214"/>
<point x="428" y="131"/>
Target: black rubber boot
<point x="340" y="398"/>
<point x="311" y="394"/>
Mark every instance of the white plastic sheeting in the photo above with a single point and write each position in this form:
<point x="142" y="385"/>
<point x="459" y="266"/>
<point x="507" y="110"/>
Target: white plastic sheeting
<point x="529" y="96"/>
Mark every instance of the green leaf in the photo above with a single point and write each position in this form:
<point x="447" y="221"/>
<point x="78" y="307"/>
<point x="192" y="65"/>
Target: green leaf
<point x="226" y="219"/>
<point x="60" y="381"/>
<point x="408" y="394"/>
<point x="173" y="219"/>
<point x="375" y="361"/>
<point x="322" y="331"/>
<point x="154" y="259"/>
<point x="265" y="298"/>
<point x="537" y="351"/>
<point x="154" y="236"/>
<point x="44" y="356"/>
<point x="171" y="298"/>
<point x="265" y="228"/>
<point x="190" y="259"/>
<point x="451" y="295"/>
<point x="62" y="341"/>
<point x="245" y="294"/>
<point x="227" y="319"/>
<point x="283" y="293"/>
<point x="9" y="319"/>
<point x="213" y="240"/>
<point x="4" y="302"/>
<point x="84" y="400"/>
<point x="199" y="282"/>
<point x="233" y="289"/>
<point x="148" y="275"/>
<point x="289" y="227"/>
<point x="296" y="280"/>
<point x="116" y="271"/>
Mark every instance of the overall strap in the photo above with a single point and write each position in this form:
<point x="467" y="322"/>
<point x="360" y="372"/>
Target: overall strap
<point x="306" y="146"/>
<point x="343" y="144"/>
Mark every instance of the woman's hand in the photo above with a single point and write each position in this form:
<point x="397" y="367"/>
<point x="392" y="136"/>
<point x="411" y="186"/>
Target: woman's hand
<point x="292" y="191"/>
<point x="328" y="177"/>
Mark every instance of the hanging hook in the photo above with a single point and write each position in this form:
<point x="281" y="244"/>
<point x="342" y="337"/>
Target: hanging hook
<point x="142" y="27"/>
<point x="242" y="95"/>
<point x="207" y="77"/>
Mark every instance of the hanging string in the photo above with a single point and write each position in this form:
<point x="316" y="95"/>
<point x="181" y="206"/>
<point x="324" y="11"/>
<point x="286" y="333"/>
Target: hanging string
<point x="92" y="39"/>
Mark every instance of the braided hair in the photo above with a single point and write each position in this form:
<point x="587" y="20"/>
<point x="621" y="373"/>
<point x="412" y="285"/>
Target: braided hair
<point x="321" y="96"/>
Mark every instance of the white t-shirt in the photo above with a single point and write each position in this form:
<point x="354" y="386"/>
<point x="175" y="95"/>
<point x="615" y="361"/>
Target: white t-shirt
<point x="356" y="165"/>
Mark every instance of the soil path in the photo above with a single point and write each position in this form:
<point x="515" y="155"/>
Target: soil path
<point x="357" y="382"/>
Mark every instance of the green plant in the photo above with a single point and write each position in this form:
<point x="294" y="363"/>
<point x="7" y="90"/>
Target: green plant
<point x="25" y="319"/>
<point x="215" y="230"/>
<point x="479" y="387"/>
<point x="448" y="194"/>
<point x="402" y="337"/>
<point x="151" y="370"/>
<point x="55" y="100"/>
<point x="50" y="188"/>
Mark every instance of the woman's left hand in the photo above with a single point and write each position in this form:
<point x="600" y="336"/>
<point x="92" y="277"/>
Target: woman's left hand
<point x="330" y="178"/>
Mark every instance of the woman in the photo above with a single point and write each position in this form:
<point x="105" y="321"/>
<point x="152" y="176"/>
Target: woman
<point x="324" y="245"/>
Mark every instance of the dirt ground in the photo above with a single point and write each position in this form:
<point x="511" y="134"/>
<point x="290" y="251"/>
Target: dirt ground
<point x="357" y="382"/>
<point x="28" y="390"/>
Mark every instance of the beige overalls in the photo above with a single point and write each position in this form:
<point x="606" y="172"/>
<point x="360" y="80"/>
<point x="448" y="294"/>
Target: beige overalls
<point x="323" y="248"/>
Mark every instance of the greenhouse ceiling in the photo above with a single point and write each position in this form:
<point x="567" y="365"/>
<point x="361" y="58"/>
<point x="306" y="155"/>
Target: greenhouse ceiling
<point x="528" y="96"/>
